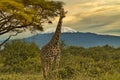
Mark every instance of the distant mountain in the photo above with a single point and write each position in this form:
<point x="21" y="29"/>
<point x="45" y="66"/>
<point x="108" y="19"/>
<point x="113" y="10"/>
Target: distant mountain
<point x="74" y="38"/>
<point x="63" y="30"/>
<point x="77" y="39"/>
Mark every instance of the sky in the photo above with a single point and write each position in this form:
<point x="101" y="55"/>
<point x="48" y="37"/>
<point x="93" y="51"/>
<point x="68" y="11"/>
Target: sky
<point x="96" y="16"/>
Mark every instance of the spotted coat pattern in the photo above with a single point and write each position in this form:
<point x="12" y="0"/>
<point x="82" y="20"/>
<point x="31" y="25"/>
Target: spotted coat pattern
<point x="50" y="53"/>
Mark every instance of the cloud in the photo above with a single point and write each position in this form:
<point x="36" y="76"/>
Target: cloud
<point x="19" y="36"/>
<point x="97" y="20"/>
<point x="70" y="18"/>
<point x="99" y="16"/>
<point x="112" y="32"/>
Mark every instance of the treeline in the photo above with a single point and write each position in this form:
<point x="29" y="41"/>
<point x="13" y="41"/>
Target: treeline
<point x="95" y="62"/>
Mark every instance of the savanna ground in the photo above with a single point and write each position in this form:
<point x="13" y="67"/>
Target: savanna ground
<point x="21" y="61"/>
<point x="39" y="77"/>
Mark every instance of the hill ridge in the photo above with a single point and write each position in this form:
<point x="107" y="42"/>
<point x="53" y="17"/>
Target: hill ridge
<point x="78" y="39"/>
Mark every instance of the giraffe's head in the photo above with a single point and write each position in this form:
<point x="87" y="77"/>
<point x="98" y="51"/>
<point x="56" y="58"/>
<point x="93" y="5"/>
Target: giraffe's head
<point x="62" y="13"/>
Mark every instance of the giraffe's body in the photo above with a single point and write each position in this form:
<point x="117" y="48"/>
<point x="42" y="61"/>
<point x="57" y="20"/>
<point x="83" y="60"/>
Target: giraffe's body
<point x="50" y="58"/>
<point x="50" y="53"/>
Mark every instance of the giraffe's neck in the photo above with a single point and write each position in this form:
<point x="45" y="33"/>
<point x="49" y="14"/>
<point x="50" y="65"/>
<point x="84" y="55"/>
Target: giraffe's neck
<point x="56" y="36"/>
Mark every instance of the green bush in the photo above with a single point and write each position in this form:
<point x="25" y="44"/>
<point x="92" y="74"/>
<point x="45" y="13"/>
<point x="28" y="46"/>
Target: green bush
<point x="68" y="72"/>
<point x="19" y="56"/>
<point x="77" y="63"/>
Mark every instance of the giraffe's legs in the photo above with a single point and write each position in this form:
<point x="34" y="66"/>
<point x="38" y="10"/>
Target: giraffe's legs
<point x="57" y="62"/>
<point x="45" y="67"/>
<point x="51" y="63"/>
<point x="45" y="72"/>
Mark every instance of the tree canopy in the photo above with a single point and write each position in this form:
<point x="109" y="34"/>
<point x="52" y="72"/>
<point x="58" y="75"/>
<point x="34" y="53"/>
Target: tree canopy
<point x="19" y="15"/>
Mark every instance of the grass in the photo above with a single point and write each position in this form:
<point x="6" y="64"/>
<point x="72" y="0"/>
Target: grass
<point x="115" y="76"/>
<point x="21" y="77"/>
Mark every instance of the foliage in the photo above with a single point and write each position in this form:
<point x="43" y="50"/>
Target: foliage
<point x="67" y="72"/>
<point x="20" y="57"/>
<point x="21" y="77"/>
<point x="92" y="62"/>
<point x="77" y="63"/>
<point x="18" y="15"/>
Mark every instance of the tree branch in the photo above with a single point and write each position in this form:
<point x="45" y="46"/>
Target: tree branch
<point x="5" y="22"/>
<point x="7" y="29"/>
<point x="9" y="38"/>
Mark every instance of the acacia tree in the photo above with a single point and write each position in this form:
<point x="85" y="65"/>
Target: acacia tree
<point x="18" y="15"/>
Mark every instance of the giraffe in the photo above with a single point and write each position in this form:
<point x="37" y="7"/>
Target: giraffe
<point x="50" y="53"/>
